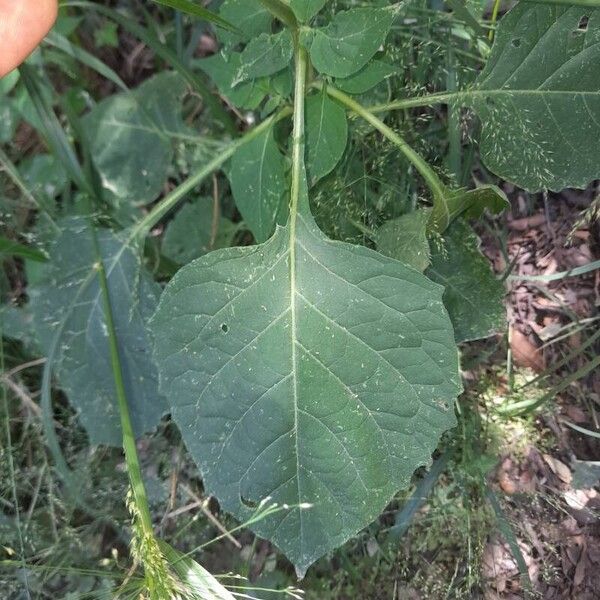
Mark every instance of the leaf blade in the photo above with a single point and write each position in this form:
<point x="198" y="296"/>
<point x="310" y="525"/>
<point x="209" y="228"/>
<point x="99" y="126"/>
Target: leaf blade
<point x="251" y="394"/>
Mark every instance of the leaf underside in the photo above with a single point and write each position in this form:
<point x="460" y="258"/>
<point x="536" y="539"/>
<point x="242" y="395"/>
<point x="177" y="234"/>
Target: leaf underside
<point x="69" y="303"/>
<point x="307" y="371"/>
<point x="539" y="97"/>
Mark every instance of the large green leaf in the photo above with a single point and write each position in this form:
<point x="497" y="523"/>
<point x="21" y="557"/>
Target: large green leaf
<point x="196" y="230"/>
<point x="326" y="135"/>
<point x="351" y="39"/>
<point x="309" y="371"/>
<point x="69" y="305"/>
<point x="405" y="239"/>
<point x="130" y="136"/>
<point x="539" y="97"/>
<point x="305" y="10"/>
<point x="473" y="296"/>
<point x="258" y="182"/>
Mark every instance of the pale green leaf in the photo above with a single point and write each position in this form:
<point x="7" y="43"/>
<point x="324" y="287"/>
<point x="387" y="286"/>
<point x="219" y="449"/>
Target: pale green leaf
<point x="130" y="136"/>
<point x="265" y="55"/>
<point x="196" y="581"/>
<point x="258" y="182"/>
<point x="223" y="69"/>
<point x="305" y="10"/>
<point x="194" y="232"/>
<point x="351" y="39"/>
<point x="539" y="97"/>
<point x="313" y="372"/>
<point x="473" y="296"/>
<point x="248" y="16"/>
<point x="69" y="304"/>
<point x="326" y="135"/>
<point x="367" y="78"/>
<point x="405" y="239"/>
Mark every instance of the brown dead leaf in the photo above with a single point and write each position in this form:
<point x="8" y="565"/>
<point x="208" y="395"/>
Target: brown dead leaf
<point x="559" y="468"/>
<point x="525" y="353"/>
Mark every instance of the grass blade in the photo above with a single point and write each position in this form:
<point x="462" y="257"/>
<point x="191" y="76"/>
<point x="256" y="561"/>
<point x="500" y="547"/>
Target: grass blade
<point x="195" y="10"/>
<point x="12" y="248"/>
<point x="509" y="535"/>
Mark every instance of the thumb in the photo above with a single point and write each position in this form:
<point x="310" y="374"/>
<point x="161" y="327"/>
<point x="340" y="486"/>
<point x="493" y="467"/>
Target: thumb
<point x="23" y="25"/>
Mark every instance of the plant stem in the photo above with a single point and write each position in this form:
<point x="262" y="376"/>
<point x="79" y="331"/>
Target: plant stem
<point x="298" y="174"/>
<point x="131" y="456"/>
<point x="434" y="183"/>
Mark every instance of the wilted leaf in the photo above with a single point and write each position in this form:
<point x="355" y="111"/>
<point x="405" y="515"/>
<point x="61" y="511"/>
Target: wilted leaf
<point x="69" y="304"/>
<point x="308" y="371"/>
<point x="351" y="39"/>
<point x="258" y="182"/>
<point x="130" y="136"/>
<point x="405" y="239"/>
<point x="473" y="295"/>
<point x="470" y="204"/>
<point x="539" y="97"/>
<point x="326" y="135"/>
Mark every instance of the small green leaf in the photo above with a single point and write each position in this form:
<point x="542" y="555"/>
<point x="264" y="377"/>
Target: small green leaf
<point x="69" y="305"/>
<point x="191" y="8"/>
<point x="305" y="10"/>
<point x="326" y="135"/>
<point x="351" y="39"/>
<point x="265" y="55"/>
<point x="367" y="78"/>
<point x="313" y="372"/>
<point x="405" y="239"/>
<point x="249" y="18"/>
<point x="539" y="97"/>
<point x="130" y="136"/>
<point x="223" y="69"/>
<point x="258" y="182"/>
<point x="473" y="296"/>
<point x="12" y="248"/>
<point x="193" y="232"/>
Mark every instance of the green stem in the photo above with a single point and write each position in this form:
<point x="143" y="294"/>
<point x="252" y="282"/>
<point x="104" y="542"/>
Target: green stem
<point x="298" y="174"/>
<point x="495" y="11"/>
<point x="428" y="100"/>
<point x="131" y="456"/>
<point x="431" y="178"/>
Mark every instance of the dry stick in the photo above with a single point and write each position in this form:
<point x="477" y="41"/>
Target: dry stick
<point x="202" y="506"/>
<point x="22" y="394"/>
<point x="27" y="365"/>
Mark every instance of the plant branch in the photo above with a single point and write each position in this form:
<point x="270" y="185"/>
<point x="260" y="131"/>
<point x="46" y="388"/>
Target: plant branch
<point x="431" y="178"/>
